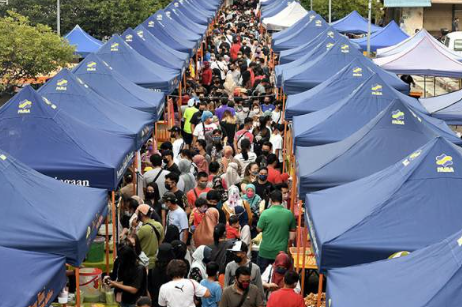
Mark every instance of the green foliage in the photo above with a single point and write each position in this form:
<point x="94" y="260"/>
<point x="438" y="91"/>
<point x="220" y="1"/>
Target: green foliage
<point x="99" y="18"/>
<point x="27" y="51"/>
<point x="341" y="8"/>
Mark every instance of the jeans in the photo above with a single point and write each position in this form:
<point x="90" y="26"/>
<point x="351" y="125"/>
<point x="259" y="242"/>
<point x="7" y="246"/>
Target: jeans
<point x="263" y="263"/>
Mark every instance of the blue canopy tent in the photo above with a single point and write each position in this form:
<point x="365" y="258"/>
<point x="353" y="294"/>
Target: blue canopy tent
<point x="354" y="23"/>
<point x="390" y="211"/>
<point x="181" y="18"/>
<point x="342" y="84"/>
<point x="312" y="29"/>
<point x="447" y="107"/>
<point x="178" y="43"/>
<point x="110" y="84"/>
<point x="191" y="13"/>
<point x="61" y="219"/>
<point x="296" y="27"/>
<point x="84" y="43"/>
<point x="430" y="276"/>
<point x="274" y="9"/>
<point x="169" y="54"/>
<point x="149" y="51"/>
<point x="174" y="28"/>
<point x="208" y="8"/>
<point x="323" y="67"/>
<point x="316" y="50"/>
<point x="71" y="94"/>
<point x="385" y="37"/>
<point x="345" y="117"/>
<point x="124" y="59"/>
<point x="394" y="133"/>
<point x="41" y="134"/>
<point x="45" y="275"/>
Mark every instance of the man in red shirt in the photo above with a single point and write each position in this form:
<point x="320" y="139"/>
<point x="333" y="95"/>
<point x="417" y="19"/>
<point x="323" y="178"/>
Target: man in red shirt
<point x="274" y="175"/>
<point x="235" y="49"/>
<point x="243" y="134"/>
<point x="207" y="75"/>
<point x="286" y="296"/>
<point x="201" y="187"/>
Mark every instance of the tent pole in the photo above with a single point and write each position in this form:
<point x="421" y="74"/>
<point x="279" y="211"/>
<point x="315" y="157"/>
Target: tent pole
<point x="304" y="257"/>
<point x="107" y="245"/>
<point x="425" y="87"/>
<point x="369" y="28"/>
<point x="299" y="225"/>
<point x="134" y="163"/>
<point x="184" y="86"/>
<point x="114" y="234"/>
<point x="284" y="150"/>
<point x="77" y="287"/>
<point x="180" y="98"/>
<point x="321" y="280"/>
<point x="434" y="86"/>
<point x="293" y="193"/>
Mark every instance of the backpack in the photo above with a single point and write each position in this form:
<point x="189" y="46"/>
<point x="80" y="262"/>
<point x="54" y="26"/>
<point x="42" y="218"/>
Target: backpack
<point x="208" y="135"/>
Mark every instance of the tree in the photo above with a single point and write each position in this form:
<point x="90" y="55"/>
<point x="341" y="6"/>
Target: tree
<point x="27" y="51"/>
<point x="341" y="8"/>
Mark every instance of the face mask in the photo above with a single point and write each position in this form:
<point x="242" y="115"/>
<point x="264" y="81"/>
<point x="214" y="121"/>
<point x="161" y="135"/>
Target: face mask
<point x="203" y="209"/>
<point x="202" y="185"/>
<point x="237" y="258"/>
<point x="127" y="213"/>
<point x="150" y="195"/>
<point x="256" y="110"/>
<point x="281" y="271"/>
<point x="263" y="177"/>
<point x="245" y="109"/>
<point x="172" y="135"/>
<point x="168" y="187"/>
<point x="255" y="173"/>
<point x="243" y="285"/>
<point x="250" y="194"/>
<point x="150" y="148"/>
<point x="165" y="161"/>
<point x="217" y="139"/>
<point x="265" y="152"/>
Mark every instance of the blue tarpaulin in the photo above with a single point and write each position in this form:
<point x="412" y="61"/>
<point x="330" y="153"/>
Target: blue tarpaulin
<point x="71" y="94"/>
<point x="44" y="215"/>
<point x="274" y="9"/>
<point x="386" y="37"/>
<point x="296" y="27"/>
<point x="427" y="277"/>
<point x="447" y="107"/>
<point x="84" y="43"/>
<point x="181" y="18"/>
<point x="354" y="23"/>
<point x="46" y="138"/>
<point x="192" y="13"/>
<point x="43" y="276"/>
<point x="348" y="115"/>
<point x="328" y="64"/>
<point x="396" y="132"/>
<point x="405" y="207"/>
<point x="312" y="29"/>
<point x="137" y="68"/>
<point x="173" y="27"/>
<point x="110" y="84"/>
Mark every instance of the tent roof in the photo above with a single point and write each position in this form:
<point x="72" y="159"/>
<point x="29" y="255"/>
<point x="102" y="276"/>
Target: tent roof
<point x="110" y="84"/>
<point x="385" y="37"/>
<point x="391" y="210"/>
<point x="447" y="107"/>
<point x="192" y="13"/>
<point x="42" y="214"/>
<point x="423" y="58"/>
<point x="71" y="94"/>
<point x="307" y="33"/>
<point x="61" y="145"/>
<point x="123" y="58"/>
<point x="319" y="69"/>
<point x="176" y="29"/>
<point x="430" y="276"/>
<point x="274" y="9"/>
<point x="345" y="117"/>
<point x="45" y="275"/>
<point x="286" y="18"/>
<point x="181" y="18"/>
<point x="84" y="43"/>
<point x="354" y="23"/>
<point x="394" y="133"/>
<point x="295" y="27"/>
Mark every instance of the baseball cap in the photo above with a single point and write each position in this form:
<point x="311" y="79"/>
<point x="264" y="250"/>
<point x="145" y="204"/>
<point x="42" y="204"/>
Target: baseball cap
<point x="175" y="129"/>
<point x="206" y="115"/>
<point x="239" y="246"/>
<point x="145" y="209"/>
<point x="169" y="196"/>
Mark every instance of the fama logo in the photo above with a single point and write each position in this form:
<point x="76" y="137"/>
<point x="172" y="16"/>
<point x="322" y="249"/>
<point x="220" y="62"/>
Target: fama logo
<point x="329" y="45"/>
<point x="318" y="23"/>
<point x="377" y="90"/>
<point x="48" y="102"/>
<point x="91" y="66"/>
<point x="115" y="47"/>
<point x="357" y="72"/>
<point x="159" y="17"/>
<point x="129" y="38"/>
<point x="312" y="17"/>
<point x="444" y="163"/>
<point x="24" y="107"/>
<point x="345" y="48"/>
<point x="397" y="117"/>
<point x="151" y="24"/>
<point x="140" y="34"/>
<point x="413" y="156"/>
<point x="330" y="34"/>
<point x="61" y="85"/>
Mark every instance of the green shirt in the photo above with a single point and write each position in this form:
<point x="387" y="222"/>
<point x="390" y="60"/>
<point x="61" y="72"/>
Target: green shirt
<point x="148" y="240"/>
<point x="188" y="114"/>
<point x="275" y="223"/>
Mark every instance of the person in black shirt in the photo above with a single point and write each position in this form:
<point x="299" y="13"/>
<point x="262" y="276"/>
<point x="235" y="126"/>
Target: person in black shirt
<point x="171" y="184"/>
<point x="196" y="118"/>
<point x="262" y="186"/>
<point x="214" y="200"/>
<point x="167" y="158"/>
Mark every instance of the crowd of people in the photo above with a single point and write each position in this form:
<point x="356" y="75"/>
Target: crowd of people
<point x="214" y="223"/>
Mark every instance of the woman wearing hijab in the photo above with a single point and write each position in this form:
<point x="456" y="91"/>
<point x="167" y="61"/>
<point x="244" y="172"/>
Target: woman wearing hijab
<point x="172" y="234"/>
<point x="245" y="221"/>
<point x="203" y="234"/>
<point x="228" y="158"/>
<point x="252" y="197"/>
<point x="201" y="164"/>
<point x="200" y="259"/>
<point x="231" y="176"/>
<point x="273" y="276"/>
<point x="159" y="273"/>
<point x="234" y="201"/>
<point x="188" y="178"/>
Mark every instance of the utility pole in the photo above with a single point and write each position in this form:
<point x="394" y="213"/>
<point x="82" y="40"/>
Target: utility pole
<point x="330" y="11"/>
<point x="369" y="29"/>
<point x="58" y="17"/>
<point x="311" y="6"/>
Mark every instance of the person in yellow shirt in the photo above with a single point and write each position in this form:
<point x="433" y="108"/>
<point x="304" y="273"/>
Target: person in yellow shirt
<point x="188" y="114"/>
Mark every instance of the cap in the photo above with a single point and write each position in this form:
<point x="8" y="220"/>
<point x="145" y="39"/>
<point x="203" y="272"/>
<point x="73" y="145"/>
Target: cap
<point x="175" y="129"/>
<point x="206" y="115"/>
<point x="144" y="209"/>
<point x="169" y="196"/>
<point x="165" y="252"/>
<point x="239" y="246"/>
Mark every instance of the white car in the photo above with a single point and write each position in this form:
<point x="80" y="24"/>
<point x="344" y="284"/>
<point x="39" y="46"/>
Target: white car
<point x="453" y="41"/>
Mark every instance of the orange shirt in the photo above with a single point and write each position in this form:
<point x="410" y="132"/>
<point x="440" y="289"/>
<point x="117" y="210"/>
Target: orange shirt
<point x="192" y="196"/>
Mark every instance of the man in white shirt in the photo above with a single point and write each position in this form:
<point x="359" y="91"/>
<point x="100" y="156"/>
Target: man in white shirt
<point x="276" y="114"/>
<point x="178" y="144"/>
<point x="205" y="128"/>
<point x="276" y="140"/>
<point x="157" y="174"/>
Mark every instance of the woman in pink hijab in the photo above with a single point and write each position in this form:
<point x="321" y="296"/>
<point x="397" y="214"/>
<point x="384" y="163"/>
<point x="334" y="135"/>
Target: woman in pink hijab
<point x="201" y="163"/>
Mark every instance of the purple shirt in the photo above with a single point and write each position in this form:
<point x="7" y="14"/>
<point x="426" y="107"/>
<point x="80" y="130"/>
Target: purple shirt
<point x="219" y="112"/>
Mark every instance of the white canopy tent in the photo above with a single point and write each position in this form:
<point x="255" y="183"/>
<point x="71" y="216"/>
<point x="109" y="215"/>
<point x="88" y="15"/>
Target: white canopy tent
<point x="286" y="18"/>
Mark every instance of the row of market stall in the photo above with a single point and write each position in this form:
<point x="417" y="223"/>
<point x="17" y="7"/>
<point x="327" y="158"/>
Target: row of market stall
<point x="378" y="170"/>
<point x="84" y="127"/>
